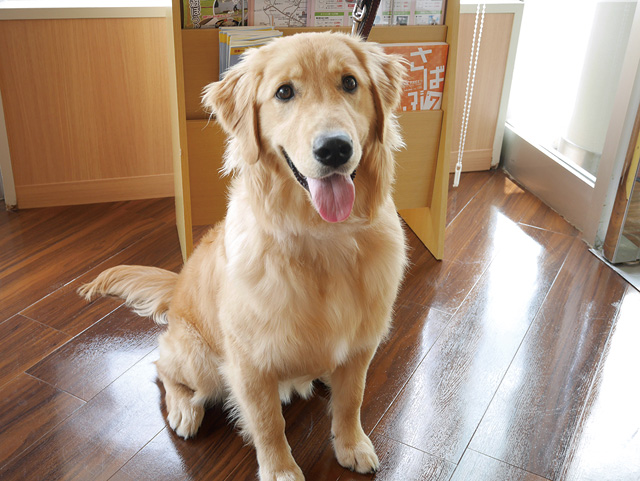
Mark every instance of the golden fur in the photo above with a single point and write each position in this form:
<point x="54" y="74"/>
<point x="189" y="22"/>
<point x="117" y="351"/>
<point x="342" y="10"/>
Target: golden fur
<point x="274" y="296"/>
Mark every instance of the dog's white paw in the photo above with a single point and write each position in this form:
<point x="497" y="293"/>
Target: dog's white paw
<point x="292" y="474"/>
<point x="360" y="457"/>
<point x="185" y="418"/>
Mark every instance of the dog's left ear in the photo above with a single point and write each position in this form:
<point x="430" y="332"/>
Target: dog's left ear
<point x="387" y="73"/>
<point x="233" y="101"/>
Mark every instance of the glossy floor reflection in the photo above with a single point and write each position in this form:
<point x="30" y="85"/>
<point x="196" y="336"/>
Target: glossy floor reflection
<point x="513" y="359"/>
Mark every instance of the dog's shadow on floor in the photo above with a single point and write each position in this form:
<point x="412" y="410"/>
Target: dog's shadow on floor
<point x="218" y="447"/>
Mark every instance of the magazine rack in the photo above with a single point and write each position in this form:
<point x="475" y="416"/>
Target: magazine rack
<point x="198" y="144"/>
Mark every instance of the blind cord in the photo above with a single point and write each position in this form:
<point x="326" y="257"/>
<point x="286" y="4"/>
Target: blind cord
<point x="468" y="95"/>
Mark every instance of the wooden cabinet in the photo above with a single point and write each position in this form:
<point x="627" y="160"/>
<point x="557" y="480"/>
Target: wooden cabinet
<point x="86" y="104"/>
<point x="485" y="131"/>
<point x="423" y="167"/>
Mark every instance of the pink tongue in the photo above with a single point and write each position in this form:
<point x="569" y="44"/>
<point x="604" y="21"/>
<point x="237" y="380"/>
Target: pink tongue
<point x="333" y="196"/>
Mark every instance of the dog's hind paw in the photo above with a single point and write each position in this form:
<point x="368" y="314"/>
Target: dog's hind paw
<point x="360" y="457"/>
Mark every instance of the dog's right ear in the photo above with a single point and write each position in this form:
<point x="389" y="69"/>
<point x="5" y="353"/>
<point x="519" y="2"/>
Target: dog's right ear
<point x="233" y="101"/>
<point x="387" y="73"/>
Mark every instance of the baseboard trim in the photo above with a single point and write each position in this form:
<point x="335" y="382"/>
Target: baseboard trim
<point x="94" y="191"/>
<point x="472" y="160"/>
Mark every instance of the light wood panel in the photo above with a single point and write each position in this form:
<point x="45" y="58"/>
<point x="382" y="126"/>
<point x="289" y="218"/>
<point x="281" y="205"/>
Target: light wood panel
<point x="95" y="191"/>
<point x="632" y="224"/>
<point x="180" y="150"/>
<point x="208" y="187"/>
<point x="473" y="160"/>
<point x="485" y="104"/>
<point x="86" y="99"/>
<point x="416" y="163"/>
<point x="200" y="60"/>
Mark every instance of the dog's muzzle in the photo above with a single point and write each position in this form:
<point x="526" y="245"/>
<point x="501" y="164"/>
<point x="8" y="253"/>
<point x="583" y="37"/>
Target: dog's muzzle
<point x="332" y="195"/>
<point x="302" y="180"/>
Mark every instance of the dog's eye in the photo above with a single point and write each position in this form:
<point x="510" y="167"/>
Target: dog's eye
<point x="349" y="83"/>
<point x="285" y="92"/>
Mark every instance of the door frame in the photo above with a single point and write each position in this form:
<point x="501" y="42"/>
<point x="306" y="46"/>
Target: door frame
<point x="585" y="201"/>
<point x="610" y="170"/>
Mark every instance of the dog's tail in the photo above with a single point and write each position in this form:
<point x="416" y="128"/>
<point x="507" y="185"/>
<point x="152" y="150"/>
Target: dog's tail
<point x="148" y="290"/>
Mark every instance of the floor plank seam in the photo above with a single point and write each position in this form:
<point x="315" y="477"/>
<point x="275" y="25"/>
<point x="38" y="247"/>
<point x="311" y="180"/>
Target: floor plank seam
<point x="136" y="453"/>
<point x="548" y="230"/>
<point x="35" y="442"/>
<point x="71" y="338"/>
<point x="416" y="448"/>
<point x="524" y="336"/>
<point x="229" y="476"/>
<point x="599" y="364"/>
<point x="121" y="306"/>
<point x="74" y="336"/>
<point x="409" y="302"/>
<point x="452" y="316"/>
<point x="484" y="184"/>
<point x="401" y="389"/>
<point x="26" y="368"/>
<point x="142" y="358"/>
<point x="128" y="246"/>
<point x="47" y="326"/>
<point x="509" y="464"/>
<point x="521" y="187"/>
<point x="55" y="387"/>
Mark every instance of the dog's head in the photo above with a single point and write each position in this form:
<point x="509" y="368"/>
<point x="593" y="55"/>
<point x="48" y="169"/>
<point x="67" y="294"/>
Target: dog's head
<point x="319" y="104"/>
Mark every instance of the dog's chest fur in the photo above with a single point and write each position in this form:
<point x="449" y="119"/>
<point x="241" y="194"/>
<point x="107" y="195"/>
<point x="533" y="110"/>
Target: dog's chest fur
<point x="305" y="303"/>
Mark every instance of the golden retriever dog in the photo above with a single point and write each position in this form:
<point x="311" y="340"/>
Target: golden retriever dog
<point x="298" y="282"/>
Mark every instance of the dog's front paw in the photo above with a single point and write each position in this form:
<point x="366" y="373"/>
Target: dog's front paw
<point x="359" y="456"/>
<point x="184" y="417"/>
<point x="292" y="474"/>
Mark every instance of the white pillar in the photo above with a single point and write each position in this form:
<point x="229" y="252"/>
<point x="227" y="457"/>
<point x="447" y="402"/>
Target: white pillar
<point x="584" y="139"/>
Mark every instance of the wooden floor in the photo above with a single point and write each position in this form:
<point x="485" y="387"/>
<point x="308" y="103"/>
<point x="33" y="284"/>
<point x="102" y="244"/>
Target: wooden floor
<point x="515" y="358"/>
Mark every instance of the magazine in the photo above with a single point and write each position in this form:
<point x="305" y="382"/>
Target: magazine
<point x="279" y="13"/>
<point x="306" y="13"/>
<point x="234" y="41"/>
<point x="426" y="64"/>
<point x="214" y="13"/>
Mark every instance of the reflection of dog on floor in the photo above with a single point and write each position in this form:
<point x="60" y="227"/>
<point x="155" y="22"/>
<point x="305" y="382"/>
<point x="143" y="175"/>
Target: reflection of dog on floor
<point x="299" y="281"/>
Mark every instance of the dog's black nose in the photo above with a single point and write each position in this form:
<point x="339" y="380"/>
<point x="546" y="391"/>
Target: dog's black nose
<point x="333" y="149"/>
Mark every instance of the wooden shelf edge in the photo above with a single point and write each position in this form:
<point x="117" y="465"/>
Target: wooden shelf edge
<point x="179" y="133"/>
<point x="424" y="224"/>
